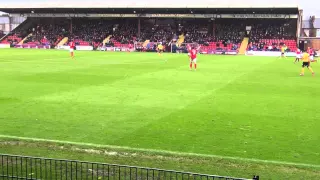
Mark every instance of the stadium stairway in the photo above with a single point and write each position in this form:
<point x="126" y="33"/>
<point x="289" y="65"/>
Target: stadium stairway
<point x="243" y="46"/>
<point x="106" y="40"/>
<point x="4" y="37"/>
<point x="63" y="41"/>
<point x="146" y="43"/>
<point x="24" y="25"/>
<point x="22" y="41"/>
<point x="180" y="40"/>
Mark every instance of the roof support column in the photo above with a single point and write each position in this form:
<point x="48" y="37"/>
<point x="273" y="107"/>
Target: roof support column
<point x="10" y="23"/>
<point x="139" y="27"/>
<point x="53" y="25"/>
<point x="213" y="28"/>
<point x="299" y="24"/>
<point x="71" y="26"/>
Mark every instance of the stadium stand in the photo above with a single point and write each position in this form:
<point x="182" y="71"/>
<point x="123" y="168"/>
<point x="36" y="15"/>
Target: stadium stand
<point x="87" y="32"/>
<point x="36" y="32"/>
<point x="211" y="33"/>
<point x="123" y="34"/>
<point x="223" y="35"/>
<point x="270" y="35"/>
<point x="44" y="34"/>
<point x="227" y="35"/>
<point x="13" y="38"/>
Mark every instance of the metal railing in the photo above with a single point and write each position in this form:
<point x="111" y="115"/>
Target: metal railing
<point x="35" y="168"/>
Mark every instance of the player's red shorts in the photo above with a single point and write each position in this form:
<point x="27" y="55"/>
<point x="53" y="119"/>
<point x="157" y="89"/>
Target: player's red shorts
<point x="193" y="60"/>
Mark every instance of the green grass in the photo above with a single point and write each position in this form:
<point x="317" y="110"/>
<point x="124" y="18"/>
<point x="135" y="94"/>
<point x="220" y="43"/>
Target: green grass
<point x="237" y="106"/>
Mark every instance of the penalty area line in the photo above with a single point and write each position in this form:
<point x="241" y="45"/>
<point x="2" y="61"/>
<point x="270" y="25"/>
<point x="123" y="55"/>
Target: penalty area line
<point x="159" y="151"/>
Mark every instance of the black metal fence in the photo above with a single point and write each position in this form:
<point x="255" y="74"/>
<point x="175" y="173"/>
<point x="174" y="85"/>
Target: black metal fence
<point x="34" y="168"/>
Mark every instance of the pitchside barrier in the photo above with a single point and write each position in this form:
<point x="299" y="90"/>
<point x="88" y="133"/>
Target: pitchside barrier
<point x="203" y="49"/>
<point x="270" y="53"/>
<point x="78" y="48"/>
<point x="35" y="168"/>
<point x="4" y="46"/>
<point x="33" y="46"/>
<point x="115" y="49"/>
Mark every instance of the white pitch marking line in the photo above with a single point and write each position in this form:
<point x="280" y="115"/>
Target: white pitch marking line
<point x="60" y="62"/>
<point x="34" y="60"/>
<point x="107" y="62"/>
<point x="160" y="151"/>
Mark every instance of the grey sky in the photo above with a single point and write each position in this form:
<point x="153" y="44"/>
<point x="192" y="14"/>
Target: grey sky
<point x="309" y="7"/>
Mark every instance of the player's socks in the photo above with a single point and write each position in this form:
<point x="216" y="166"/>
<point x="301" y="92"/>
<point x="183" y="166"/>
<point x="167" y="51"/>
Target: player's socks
<point x="302" y="72"/>
<point x="190" y="65"/>
<point x="195" y="66"/>
<point x="311" y="70"/>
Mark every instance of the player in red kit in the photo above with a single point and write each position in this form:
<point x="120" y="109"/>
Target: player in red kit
<point x="311" y="54"/>
<point x="193" y="57"/>
<point x="130" y="48"/>
<point x="72" y="45"/>
<point x="298" y="55"/>
<point x="189" y="50"/>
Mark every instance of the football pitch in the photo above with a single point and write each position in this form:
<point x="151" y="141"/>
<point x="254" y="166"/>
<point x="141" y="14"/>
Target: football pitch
<point x="237" y="107"/>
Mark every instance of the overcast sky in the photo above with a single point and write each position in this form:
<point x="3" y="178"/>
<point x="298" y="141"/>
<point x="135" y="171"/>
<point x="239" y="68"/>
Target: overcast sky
<point x="309" y="7"/>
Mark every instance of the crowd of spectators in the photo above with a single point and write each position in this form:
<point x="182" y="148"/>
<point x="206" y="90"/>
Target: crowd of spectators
<point x="272" y="31"/>
<point x="157" y="32"/>
<point x="163" y="33"/>
<point x="230" y="33"/>
<point x="12" y="39"/>
<point x="124" y="33"/>
<point x="46" y="34"/>
<point x="217" y="35"/>
<point x="270" y="36"/>
<point x="213" y="34"/>
<point x="89" y="32"/>
<point x="196" y="33"/>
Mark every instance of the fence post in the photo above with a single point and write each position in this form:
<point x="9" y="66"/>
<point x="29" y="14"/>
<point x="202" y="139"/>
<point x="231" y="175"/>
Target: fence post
<point x="34" y="167"/>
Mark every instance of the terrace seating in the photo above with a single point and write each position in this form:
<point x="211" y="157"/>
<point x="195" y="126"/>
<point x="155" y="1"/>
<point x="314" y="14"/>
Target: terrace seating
<point x="220" y="45"/>
<point x="272" y="34"/>
<point x="12" y="39"/>
<point x="44" y="34"/>
<point x="290" y="43"/>
<point x="81" y="42"/>
<point x="91" y="32"/>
